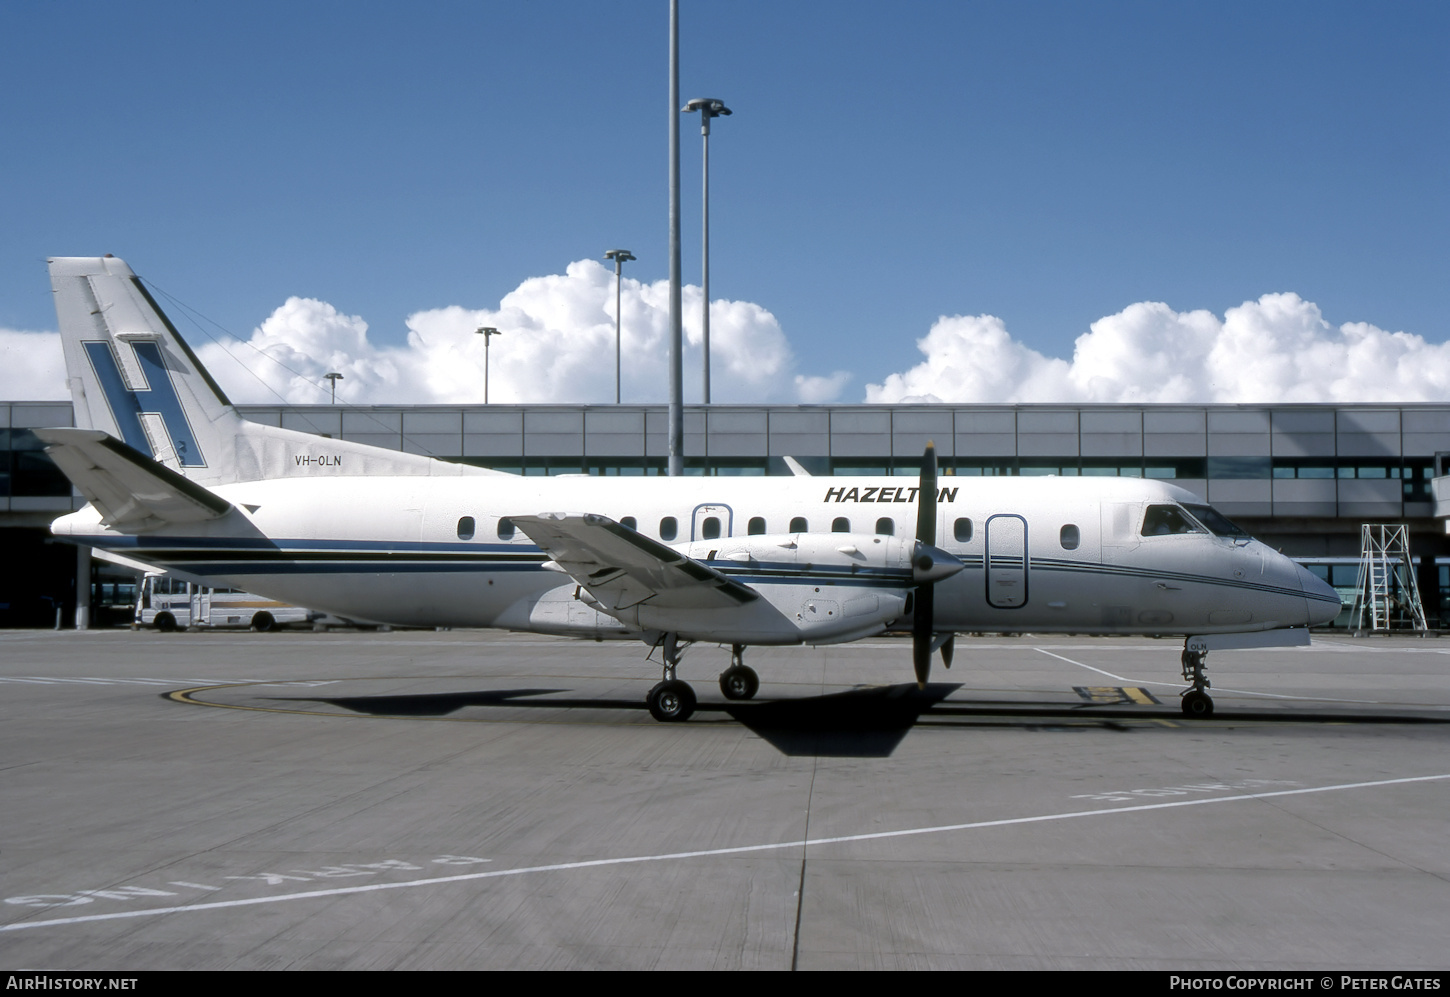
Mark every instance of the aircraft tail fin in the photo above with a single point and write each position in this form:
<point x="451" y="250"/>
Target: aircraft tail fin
<point x="133" y="378"/>
<point x="130" y="373"/>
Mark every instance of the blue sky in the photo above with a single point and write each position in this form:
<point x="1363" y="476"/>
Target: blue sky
<point x="1046" y="163"/>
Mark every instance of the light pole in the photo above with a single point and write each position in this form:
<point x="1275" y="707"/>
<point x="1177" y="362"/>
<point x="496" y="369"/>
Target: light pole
<point x="334" y="377"/>
<point x="709" y="107"/>
<point x="487" y="332"/>
<point x="620" y="258"/>
<point x="677" y="391"/>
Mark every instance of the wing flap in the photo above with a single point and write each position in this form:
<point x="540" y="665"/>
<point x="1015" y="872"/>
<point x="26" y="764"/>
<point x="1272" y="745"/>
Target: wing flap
<point x="132" y="492"/>
<point x="622" y="568"/>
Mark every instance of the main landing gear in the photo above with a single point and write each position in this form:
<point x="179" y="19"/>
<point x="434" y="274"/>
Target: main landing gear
<point x="1196" y="701"/>
<point x="673" y="701"/>
<point x="739" y="681"/>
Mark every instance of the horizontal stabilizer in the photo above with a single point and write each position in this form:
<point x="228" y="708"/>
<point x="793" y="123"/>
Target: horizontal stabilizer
<point x="149" y="569"/>
<point x="622" y="568"/>
<point x="132" y="492"/>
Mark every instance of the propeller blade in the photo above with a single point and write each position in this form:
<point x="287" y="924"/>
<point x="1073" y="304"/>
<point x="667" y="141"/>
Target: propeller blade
<point x="949" y="650"/>
<point x="926" y="498"/>
<point x="921" y="634"/>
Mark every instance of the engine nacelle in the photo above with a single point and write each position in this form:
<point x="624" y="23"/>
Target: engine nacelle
<point x="815" y="588"/>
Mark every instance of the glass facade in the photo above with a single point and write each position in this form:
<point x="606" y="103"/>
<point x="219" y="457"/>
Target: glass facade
<point x="25" y="470"/>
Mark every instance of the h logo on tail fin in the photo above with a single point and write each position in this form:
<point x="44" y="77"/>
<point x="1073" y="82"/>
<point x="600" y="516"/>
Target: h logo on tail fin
<point x="154" y="402"/>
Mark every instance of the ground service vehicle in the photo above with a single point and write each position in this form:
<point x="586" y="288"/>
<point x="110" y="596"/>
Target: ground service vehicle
<point x="167" y="603"/>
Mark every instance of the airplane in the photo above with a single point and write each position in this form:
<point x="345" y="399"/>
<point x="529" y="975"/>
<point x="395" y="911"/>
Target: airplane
<point x="177" y="479"/>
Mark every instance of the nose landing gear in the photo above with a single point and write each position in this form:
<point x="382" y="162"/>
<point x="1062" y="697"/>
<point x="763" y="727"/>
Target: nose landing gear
<point x="1196" y="701"/>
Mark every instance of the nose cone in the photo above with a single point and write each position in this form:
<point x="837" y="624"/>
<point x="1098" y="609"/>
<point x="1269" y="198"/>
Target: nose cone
<point x="932" y="564"/>
<point x="1320" y="599"/>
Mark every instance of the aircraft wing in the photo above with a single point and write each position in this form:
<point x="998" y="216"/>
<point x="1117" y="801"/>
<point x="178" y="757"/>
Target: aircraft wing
<point x="132" y="492"/>
<point x="622" y="568"/>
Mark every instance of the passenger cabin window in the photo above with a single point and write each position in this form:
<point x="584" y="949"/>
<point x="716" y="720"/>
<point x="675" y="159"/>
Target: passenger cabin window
<point x="1070" y="537"/>
<point x="465" y="528"/>
<point x="962" y="530"/>
<point x="628" y="522"/>
<point x="710" y="528"/>
<point x="1167" y="520"/>
<point x="756" y="526"/>
<point x="798" y="524"/>
<point x="506" y="529"/>
<point x="840" y="525"/>
<point x="886" y="526"/>
<point x="669" y="528"/>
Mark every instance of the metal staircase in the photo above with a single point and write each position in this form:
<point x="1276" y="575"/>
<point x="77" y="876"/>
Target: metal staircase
<point x="1386" y="588"/>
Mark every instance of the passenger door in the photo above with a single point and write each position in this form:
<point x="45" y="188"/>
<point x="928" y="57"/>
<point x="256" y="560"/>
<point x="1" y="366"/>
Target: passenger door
<point x="1006" y="547"/>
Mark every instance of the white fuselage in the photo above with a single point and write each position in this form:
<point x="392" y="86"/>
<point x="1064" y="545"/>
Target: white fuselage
<point x="1040" y="554"/>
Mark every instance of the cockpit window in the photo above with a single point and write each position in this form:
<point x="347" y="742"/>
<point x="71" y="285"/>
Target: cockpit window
<point x="1166" y="520"/>
<point x="1218" y="522"/>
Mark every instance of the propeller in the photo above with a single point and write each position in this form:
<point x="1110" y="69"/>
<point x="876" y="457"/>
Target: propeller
<point x="929" y="565"/>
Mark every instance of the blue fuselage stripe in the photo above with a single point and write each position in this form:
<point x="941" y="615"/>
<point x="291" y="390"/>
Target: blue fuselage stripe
<point x="209" y="557"/>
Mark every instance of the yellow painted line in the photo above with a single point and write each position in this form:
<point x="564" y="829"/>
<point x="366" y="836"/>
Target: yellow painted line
<point x="1099" y="693"/>
<point x="1116" y="694"/>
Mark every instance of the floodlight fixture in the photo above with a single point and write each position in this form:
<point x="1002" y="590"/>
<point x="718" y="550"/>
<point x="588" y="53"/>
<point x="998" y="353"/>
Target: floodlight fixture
<point x="708" y="108"/>
<point x="620" y="258"/>
<point x="487" y="332"/>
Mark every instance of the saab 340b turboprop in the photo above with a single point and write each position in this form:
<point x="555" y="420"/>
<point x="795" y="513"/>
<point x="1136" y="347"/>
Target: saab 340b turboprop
<point x="177" y="479"/>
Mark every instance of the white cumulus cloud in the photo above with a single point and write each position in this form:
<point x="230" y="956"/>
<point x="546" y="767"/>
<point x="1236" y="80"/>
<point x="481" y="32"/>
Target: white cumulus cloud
<point x="816" y="390"/>
<point x="1276" y="349"/>
<point x="557" y="344"/>
<point x="32" y="366"/>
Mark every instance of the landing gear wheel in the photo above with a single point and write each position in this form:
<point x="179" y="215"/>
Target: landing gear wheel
<point x="671" y="701"/>
<point x="1197" y="704"/>
<point x="739" y="682"/>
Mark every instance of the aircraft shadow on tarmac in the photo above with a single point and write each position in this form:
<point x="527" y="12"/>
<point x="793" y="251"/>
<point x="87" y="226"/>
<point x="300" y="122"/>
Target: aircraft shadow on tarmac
<point x="859" y="723"/>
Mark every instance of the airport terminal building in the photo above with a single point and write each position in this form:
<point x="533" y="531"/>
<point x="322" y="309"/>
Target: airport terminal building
<point x="1302" y="478"/>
